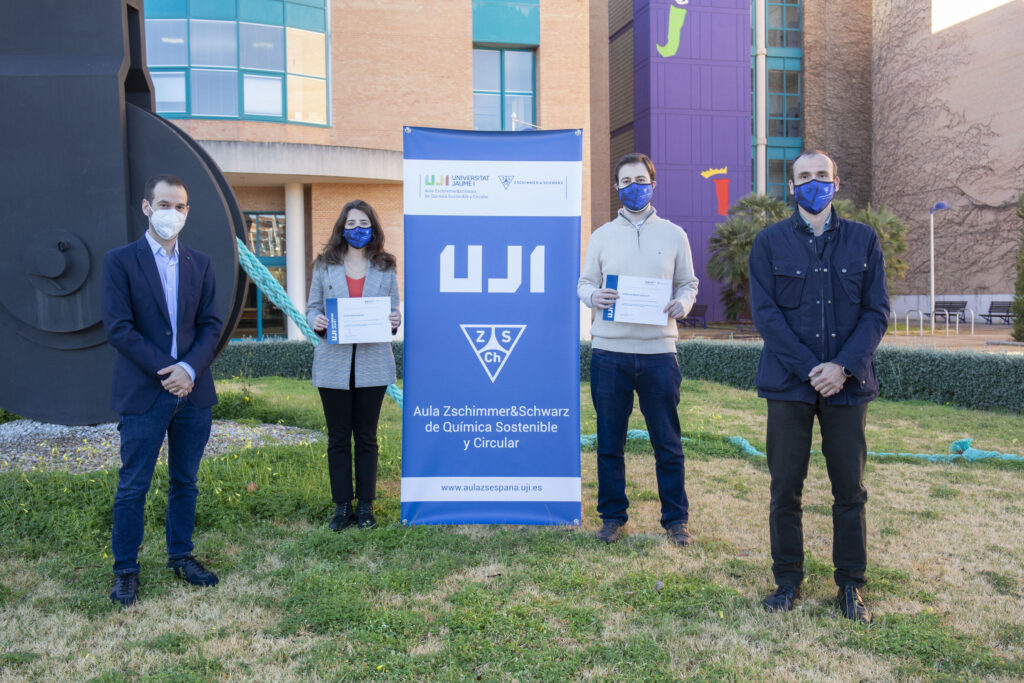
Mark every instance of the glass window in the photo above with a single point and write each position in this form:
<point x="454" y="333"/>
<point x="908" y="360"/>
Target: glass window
<point x="267" y="234"/>
<point x="169" y="87"/>
<point x="213" y="43"/>
<point x="166" y="42"/>
<point x="307" y="99"/>
<point x="262" y="95"/>
<point x="205" y="63"/>
<point x="783" y="26"/>
<point x="503" y="85"/>
<point x="486" y="111"/>
<point x="518" y="71"/>
<point x="487" y="70"/>
<point x="266" y="238"/>
<point x="306" y="54"/>
<point x="214" y="93"/>
<point x="522" y="107"/>
<point x="262" y="47"/>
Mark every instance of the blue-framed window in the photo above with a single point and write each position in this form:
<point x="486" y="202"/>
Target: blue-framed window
<point x="784" y="99"/>
<point x="784" y="24"/>
<point x="239" y="59"/>
<point x="784" y="92"/>
<point x="260" y="318"/>
<point x="504" y="83"/>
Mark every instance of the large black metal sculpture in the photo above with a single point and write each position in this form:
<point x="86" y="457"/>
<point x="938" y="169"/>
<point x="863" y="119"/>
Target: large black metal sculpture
<point x="78" y="140"/>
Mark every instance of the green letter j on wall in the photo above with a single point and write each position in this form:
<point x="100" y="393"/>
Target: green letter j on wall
<point x="676" y="17"/>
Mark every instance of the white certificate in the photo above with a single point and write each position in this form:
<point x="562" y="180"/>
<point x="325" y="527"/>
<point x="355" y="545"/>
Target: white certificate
<point x="641" y="301"/>
<point x="358" y="320"/>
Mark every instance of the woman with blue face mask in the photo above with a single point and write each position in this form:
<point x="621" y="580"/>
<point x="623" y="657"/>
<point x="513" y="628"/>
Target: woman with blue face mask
<point x="352" y="378"/>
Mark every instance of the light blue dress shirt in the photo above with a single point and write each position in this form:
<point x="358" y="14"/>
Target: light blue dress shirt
<point x="167" y="268"/>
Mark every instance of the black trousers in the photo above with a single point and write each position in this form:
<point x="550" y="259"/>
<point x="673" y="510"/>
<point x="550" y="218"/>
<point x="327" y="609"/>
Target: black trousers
<point x="845" y="450"/>
<point x="352" y="414"/>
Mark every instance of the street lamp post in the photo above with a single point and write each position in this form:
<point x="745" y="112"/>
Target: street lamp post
<point x="931" y="255"/>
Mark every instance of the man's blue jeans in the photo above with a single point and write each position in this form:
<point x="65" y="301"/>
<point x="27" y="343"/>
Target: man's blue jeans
<point x="187" y="429"/>
<point x="655" y="378"/>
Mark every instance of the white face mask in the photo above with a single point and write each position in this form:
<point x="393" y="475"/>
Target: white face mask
<point x="167" y="223"/>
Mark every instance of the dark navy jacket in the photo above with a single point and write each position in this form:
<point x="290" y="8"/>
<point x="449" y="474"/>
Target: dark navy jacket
<point x="811" y="310"/>
<point x="138" y="326"/>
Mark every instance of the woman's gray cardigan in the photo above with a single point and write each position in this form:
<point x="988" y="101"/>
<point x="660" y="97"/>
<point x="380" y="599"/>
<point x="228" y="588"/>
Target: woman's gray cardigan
<point x="375" y="363"/>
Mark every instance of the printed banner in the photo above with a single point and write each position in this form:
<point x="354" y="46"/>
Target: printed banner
<point x="491" y="423"/>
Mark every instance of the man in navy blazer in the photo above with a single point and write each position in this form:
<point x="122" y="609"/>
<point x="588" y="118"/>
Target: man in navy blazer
<point x="819" y="298"/>
<point x="159" y="315"/>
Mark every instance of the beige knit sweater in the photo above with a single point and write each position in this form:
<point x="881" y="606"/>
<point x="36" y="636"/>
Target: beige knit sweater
<point x="658" y="249"/>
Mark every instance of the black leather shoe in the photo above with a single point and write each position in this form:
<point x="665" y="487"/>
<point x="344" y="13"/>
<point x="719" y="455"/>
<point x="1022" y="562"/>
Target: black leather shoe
<point x="782" y="599"/>
<point x="679" y="534"/>
<point x="344" y="517"/>
<point x="364" y="514"/>
<point x="193" y="571"/>
<point x="126" y="589"/>
<point x="609" y="531"/>
<point x="851" y="604"/>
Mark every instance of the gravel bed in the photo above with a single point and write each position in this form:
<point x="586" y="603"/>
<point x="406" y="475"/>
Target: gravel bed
<point x="29" y="445"/>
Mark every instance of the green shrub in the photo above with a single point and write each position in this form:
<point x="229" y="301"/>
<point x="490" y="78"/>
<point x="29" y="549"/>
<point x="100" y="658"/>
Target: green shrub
<point x="981" y="381"/>
<point x="6" y="416"/>
<point x="274" y="358"/>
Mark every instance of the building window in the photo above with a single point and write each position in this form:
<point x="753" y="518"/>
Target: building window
<point x="780" y="170"/>
<point x="784" y="25"/>
<point x="504" y="84"/>
<point x="784" y="103"/>
<point x="784" y="92"/>
<point x="266" y="237"/>
<point x="249" y="59"/>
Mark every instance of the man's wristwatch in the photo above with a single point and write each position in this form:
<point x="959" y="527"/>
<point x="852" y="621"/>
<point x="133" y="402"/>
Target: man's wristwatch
<point x="846" y="373"/>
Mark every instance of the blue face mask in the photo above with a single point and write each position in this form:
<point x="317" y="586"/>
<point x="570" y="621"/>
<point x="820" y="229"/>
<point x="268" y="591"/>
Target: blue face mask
<point x="358" y="237"/>
<point x="636" y="196"/>
<point x="814" y="195"/>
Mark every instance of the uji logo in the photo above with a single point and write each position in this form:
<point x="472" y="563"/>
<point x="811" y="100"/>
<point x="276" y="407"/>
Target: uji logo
<point x="493" y="344"/>
<point x="721" y="188"/>
<point x="435" y="180"/>
<point x="676" y="18"/>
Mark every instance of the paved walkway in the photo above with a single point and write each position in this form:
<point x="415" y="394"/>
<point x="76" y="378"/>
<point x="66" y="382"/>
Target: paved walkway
<point x="982" y="340"/>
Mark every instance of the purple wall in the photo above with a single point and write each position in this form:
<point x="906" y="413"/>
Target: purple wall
<point x="692" y="113"/>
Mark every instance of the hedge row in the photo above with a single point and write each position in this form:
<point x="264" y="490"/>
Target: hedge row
<point x="968" y="379"/>
<point x="280" y="358"/>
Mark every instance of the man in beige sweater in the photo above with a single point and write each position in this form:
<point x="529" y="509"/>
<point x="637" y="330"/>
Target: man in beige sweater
<point x="632" y="357"/>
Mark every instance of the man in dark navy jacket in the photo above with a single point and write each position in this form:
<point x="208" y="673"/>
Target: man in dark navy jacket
<point x="820" y="301"/>
<point x="160" y="317"/>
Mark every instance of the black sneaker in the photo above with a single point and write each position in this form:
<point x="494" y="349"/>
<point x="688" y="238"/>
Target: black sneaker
<point x="193" y="571"/>
<point x="344" y="517"/>
<point x="364" y="515"/>
<point x="851" y="604"/>
<point x="679" y="534"/>
<point x="782" y="599"/>
<point x="126" y="588"/>
<point x="609" y="532"/>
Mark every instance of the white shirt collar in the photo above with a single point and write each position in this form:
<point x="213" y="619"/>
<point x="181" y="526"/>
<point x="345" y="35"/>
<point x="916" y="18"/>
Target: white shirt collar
<point x="157" y="247"/>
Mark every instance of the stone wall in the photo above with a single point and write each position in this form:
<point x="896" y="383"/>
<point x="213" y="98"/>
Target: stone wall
<point x="947" y="126"/>
<point x="837" y="89"/>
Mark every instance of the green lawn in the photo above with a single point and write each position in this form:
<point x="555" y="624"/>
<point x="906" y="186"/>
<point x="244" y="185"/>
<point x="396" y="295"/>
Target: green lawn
<point x="297" y="602"/>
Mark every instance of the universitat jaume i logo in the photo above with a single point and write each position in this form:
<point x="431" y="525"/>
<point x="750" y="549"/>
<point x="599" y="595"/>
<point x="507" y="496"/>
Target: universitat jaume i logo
<point x="493" y="344"/>
<point x="445" y="180"/>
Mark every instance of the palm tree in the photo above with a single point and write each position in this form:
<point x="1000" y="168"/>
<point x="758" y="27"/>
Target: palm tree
<point x="731" y="243"/>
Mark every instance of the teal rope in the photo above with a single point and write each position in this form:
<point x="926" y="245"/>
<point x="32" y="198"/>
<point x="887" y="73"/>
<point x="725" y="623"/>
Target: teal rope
<point x="269" y="285"/>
